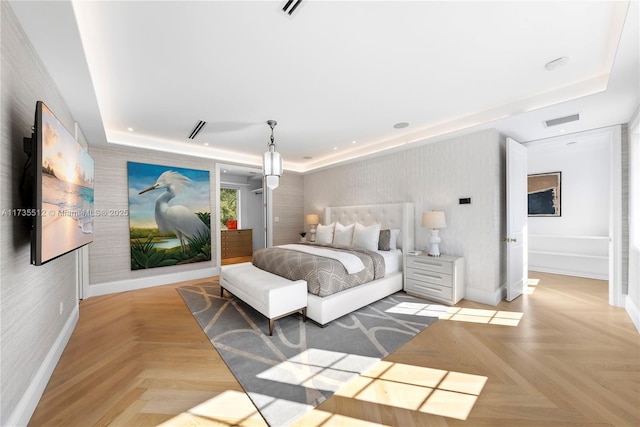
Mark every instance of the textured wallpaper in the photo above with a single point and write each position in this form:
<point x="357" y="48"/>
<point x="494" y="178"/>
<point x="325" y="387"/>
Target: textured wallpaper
<point x="31" y="296"/>
<point x="434" y="176"/>
<point x="109" y="254"/>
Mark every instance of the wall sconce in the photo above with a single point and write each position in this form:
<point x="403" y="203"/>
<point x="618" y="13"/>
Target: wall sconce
<point x="312" y="220"/>
<point x="434" y="220"/>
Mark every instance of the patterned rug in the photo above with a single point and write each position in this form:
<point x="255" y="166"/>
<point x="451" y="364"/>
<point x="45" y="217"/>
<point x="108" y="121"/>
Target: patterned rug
<point x="290" y="373"/>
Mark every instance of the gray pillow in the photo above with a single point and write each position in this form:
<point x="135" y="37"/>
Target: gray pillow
<point x="384" y="241"/>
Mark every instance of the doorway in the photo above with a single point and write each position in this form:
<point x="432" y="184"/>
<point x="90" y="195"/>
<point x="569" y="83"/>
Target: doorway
<point x="585" y="240"/>
<point x="240" y="212"/>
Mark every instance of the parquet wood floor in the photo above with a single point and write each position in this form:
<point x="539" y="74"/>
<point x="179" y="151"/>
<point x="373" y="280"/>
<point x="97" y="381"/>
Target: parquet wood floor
<point x="560" y="356"/>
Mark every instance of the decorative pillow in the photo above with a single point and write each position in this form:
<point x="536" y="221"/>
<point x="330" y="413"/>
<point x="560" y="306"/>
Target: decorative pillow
<point x="324" y="233"/>
<point x="393" y="241"/>
<point x="384" y="240"/>
<point x="343" y="234"/>
<point x="366" y="237"/>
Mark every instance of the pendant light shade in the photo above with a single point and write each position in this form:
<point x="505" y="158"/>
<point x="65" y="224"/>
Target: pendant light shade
<point x="272" y="162"/>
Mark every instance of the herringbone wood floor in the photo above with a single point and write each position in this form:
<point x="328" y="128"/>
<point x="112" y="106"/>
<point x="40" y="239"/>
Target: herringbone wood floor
<point x="140" y="359"/>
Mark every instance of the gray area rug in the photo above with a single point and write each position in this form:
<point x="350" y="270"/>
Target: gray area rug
<point x="290" y="373"/>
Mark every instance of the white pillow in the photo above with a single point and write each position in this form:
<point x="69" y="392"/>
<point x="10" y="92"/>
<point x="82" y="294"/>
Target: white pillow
<point x="393" y="241"/>
<point x="343" y="234"/>
<point x="324" y="233"/>
<point x="366" y="237"/>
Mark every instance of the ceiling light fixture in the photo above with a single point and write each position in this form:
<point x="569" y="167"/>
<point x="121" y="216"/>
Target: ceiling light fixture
<point x="130" y="129"/>
<point x="556" y="63"/>
<point x="272" y="162"/>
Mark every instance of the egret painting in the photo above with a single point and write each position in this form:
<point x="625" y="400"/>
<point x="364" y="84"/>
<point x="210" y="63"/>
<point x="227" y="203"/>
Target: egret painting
<point x="169" y="215"/>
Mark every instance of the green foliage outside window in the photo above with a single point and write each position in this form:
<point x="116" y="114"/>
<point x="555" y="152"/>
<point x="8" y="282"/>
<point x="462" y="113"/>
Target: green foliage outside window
<point x="228" y="205"/>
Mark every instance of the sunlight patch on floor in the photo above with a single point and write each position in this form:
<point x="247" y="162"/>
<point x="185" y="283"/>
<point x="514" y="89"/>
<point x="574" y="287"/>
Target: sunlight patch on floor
<point x="318" y="369"/>
<point x="419" y="309"/>
<point x="226" y="409"/>
<point x="434" y="391"/>
<point x="490" y="317"/>
<point x="531" y="286"/>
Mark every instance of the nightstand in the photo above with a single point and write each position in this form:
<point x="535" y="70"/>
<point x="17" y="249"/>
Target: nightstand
<point x="436" y="278"/>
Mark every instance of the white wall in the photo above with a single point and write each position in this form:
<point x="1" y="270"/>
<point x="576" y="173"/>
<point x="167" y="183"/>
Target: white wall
<point x="577" y="242"/>
<point x="632" y="301"/>
<point x="33" y="330"/>
<point x="434" y="176"/>
<point x="585" y="184"/>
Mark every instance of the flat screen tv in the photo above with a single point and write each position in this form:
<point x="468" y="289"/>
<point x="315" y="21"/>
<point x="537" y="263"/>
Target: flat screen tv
<point x="62" y="177"/>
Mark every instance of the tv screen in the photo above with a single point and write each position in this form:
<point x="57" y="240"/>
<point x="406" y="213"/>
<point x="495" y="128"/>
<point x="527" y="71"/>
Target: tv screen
<point x="63" y="174"/>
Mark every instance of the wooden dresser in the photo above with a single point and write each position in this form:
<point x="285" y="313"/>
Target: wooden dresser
<point x="236" y="243"/>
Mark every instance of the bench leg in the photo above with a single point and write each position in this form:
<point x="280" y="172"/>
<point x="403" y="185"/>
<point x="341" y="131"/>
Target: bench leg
<point x="271" y="327"/>
<point x="304" y="314"/>
<point x="221" y="291"/>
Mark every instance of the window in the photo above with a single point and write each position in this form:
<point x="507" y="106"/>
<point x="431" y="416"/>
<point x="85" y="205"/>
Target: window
<point x="229" y="206"/>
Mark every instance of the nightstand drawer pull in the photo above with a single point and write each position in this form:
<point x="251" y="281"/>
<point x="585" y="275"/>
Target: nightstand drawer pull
<point x="428" y="276"/>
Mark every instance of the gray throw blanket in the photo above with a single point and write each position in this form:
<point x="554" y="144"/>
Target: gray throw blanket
<point x="324" y="276"/>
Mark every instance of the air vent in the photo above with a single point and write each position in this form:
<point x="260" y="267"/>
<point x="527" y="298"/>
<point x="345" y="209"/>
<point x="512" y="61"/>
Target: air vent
<point x="291" y="6"/>
<point x="196" y="130"/>
<point x="562" y="120"/>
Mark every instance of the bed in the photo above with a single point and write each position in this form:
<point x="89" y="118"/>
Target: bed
<point x="395" y="216"/>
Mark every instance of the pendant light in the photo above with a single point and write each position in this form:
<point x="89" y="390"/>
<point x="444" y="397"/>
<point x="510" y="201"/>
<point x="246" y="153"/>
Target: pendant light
<point x="272" y="162"/>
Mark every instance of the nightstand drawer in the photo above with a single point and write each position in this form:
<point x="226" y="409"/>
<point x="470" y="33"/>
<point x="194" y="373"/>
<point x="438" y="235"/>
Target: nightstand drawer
<point x="429" y="276"/>
<point x="429" y="290"/>
<point x="430" y="264"/>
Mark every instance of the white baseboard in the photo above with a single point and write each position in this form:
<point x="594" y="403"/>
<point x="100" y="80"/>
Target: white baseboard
<point x="492" y="298"/>
<point x="633" y="310"/>
<point x="148" y="282"/>
<point x="29" y="400"/>
<point x="568" y="273"/>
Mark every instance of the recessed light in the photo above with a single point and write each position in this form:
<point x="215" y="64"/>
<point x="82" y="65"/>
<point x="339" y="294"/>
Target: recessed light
<point x="401" y="125"/>
<point x="335" y="148"/>
<point x="353" y="142"/>
<point x="206" y="143"/>
<point x="130" y="129"/>
<point x="556" y="63"/>
<point x="561" y="130"/>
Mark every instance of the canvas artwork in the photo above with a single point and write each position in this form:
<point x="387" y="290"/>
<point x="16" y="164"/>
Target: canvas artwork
<point x="544" y="194"/>
<point x="169" y="215"/>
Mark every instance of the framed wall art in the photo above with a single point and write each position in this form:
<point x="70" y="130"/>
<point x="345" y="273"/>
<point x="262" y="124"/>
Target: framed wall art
<point x="169" y="215"/>
<point x="544" y="194"/>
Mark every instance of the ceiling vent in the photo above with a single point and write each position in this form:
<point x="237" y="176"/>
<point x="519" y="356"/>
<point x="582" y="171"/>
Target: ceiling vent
<point x="196" y="130"/>
<point x="291" y="6"/>
<point x="562" y="120"/>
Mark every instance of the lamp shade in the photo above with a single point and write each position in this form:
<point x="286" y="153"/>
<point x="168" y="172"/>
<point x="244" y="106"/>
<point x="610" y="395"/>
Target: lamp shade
<point x="272" y="167"/>
<point x="313" y="219"/>
<point x="433" y="219"/>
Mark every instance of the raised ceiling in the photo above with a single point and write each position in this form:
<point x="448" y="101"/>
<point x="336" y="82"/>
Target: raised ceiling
<point x="336" y="75"/>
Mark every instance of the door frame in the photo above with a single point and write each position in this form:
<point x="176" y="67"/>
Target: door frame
<point x="614" y="134"/>
<point x="267" y="217"/>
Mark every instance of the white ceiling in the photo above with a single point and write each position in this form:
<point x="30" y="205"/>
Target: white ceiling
<point x="333" y="73"/>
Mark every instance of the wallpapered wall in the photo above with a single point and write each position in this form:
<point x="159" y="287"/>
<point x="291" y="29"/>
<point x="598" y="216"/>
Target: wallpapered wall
<point x="109" y="254"/>
<point x="31" y="296"/>
<point x="434" y="176"/>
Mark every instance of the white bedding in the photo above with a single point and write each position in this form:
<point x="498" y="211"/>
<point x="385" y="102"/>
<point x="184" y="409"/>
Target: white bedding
<point x="392" y="261"/>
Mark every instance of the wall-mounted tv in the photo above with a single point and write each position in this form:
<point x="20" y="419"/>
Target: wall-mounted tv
<point x="62" y="177"/>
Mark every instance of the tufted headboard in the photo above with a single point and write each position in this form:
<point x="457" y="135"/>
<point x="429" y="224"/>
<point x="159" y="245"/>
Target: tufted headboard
<point x="392" y="215"/>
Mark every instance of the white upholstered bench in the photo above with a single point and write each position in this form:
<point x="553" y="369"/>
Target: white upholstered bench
<point x="271" y="295"/>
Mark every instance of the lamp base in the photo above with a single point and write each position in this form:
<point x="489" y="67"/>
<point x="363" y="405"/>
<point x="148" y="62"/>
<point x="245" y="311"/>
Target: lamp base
<point x="434" y="239"/>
